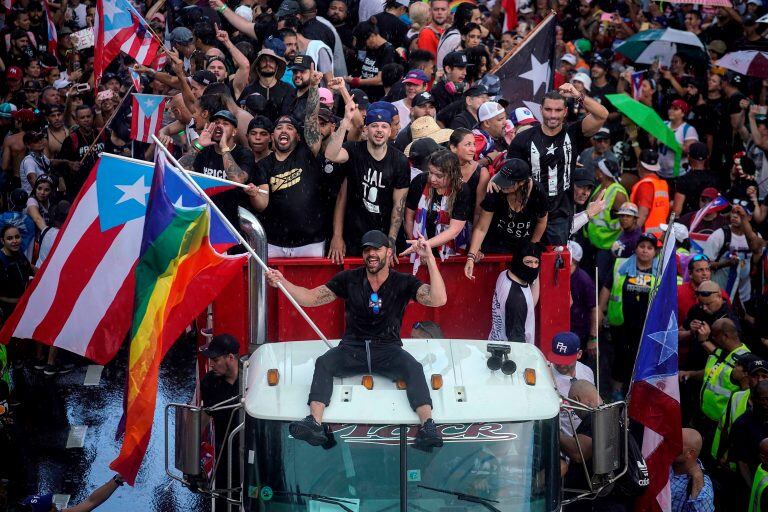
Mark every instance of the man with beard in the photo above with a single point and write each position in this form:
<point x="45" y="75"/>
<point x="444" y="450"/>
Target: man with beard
<point x="337" y="15"/>
<point x="296" y="105"/>
<point x="75" y="150"/>
<point x="220" y="157"/>
<point x="377" y="178"/>
<point x="56" y="131"/>
<point x="551" y="149"/>
<point x="375" y="299"/>
<point x="293" y="217"/>
<point x="270" y="68"/>
<point x="429" y="37"/>
<point x="259" y="136"/>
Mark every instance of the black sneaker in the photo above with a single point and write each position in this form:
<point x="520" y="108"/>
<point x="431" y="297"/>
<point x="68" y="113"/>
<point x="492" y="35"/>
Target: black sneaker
<point x="308" y="430"/>
<point x="51" y="369"/>
<point x="39" y="365"/>
<point x="428" y="437"/>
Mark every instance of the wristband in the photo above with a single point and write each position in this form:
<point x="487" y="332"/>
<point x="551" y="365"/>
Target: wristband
<point x="355" y="82"/>
<point x="198" y="146"/>
<point x="222" y="8"/>
<point x="118" y="480"/>
<point x="182" y="132"/>
<point x="471" y="256"/>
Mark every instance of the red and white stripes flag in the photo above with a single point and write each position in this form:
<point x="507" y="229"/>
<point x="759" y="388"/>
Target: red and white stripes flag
<point x="509" y="7"/>
<point x="147" y="116"/>
<point x="53" y="36"/>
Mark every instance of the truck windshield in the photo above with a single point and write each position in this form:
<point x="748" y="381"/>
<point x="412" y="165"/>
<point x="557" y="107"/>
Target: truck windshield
<point x="511" y="466"/>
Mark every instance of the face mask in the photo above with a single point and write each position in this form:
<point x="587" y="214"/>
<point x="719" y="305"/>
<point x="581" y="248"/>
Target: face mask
<point x="524" y="272"/>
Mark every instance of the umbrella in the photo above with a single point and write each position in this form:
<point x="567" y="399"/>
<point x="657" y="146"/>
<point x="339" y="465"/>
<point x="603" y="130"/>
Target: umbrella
<point x="715" y="3"/>
<point x="748" y="62"/>
<point x="661" y="44"/>
<point x="647" y="119"/>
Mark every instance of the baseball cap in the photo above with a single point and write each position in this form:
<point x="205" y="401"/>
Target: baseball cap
<point x="679" y="104"/>
<point x="226" y="115"/>
<point x="759" y="365"/>
<point x="385" y="105"/>
<point x="609" y="168"/>
<point x="14" y="72"/>
<point x="679" y="230"/>
<point x="287" y="8"/>
<point x="584" y="79"/>
<point x="302" y="62"/>
<point x="325" y="114"/>
<point x="628" y="208"/>
<point x="61" y="83"/>
<point x="523" y="116"/>
<point x="416" y="76"/>
<point x="489" y="110"/>
<point x="378" y="115"/>
<point x="512" y="171"/>
<point x="648" y="237"/>
<point x="288" y="119"/>
<point x="422" y="99"/>
<point x="244" y="12"/>
<point x="204" y="77"/>
<point x="261" y="122"/>
<point x="182" y="35"/>
<point x="255" y="103"/>
<point x="476" y="90"/>
<point x="649" y="158"/>
<point x="375" y="238"/>
<point x="734" y="78"/>
<point x="569" y="58"/>
<point x="583" y="177"/>
<point x="698" y="151"/>
<point x="7" y="110"/>
<point x="326" y="96"/>
<point x="748" y="20"/>
<point x="565" y="348"/>
<point x="361" y="98"/>
<point x="421" y="149"/>
<point x="718" y="46"/>
<point x="602" y="133"/>
<point x="39" y="502"/>
<point x="576" y="251"/>
<point x="709" y="193"/>
<point x="455" y="60"/>
<point x="220" y="345"/>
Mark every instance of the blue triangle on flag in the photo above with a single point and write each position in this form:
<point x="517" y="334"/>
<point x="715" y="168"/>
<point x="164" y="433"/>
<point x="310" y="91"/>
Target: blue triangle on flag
<point x="148" y="103"/>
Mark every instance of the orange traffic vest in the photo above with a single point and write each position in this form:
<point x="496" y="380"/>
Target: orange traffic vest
<point x="659" y="213"/>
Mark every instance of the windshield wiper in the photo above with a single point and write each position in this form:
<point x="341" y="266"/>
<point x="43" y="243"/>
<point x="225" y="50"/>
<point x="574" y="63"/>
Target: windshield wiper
<point x="319" y="497"/>
<point x="486" y="502"/>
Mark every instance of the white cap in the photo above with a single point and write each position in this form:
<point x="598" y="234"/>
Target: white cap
<point x="61" y="83"/>
<point x="680" y="231"/>
<point x="489" y="110"/>
<point x="523" y="116"/>
<point x="569" y="58"/>
<point x="584" y="79"/>
<point x="245" y="12"/>
<point x="576" y="251"/>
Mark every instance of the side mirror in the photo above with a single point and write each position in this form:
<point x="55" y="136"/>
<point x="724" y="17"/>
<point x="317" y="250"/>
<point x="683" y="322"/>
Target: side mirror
<point x="608" y="437"/>
<point x="186" y="449"/>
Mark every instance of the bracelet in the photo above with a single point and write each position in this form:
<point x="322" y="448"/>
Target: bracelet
<point x="222" y="8"/>
<point x="471" y="256"/>
<point x="182" y="132"/>
<point x="118" y="480"/>
<point x="198" y="146"/>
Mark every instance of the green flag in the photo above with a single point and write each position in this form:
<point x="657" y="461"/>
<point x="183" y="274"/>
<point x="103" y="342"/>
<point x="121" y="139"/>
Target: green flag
<point x="647" y="119"/>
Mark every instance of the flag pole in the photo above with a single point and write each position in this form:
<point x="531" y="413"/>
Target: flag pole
<point x="240" y="239"/>
<point x="522" y="43"/>
<point x="597" y="331"/>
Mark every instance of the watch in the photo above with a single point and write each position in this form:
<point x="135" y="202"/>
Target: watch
<point x="118" y="480"/>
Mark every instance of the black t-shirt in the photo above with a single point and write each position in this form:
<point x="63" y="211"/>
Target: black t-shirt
<point x="508" y="228"/>
<point x="372" y="63"/>
<point x="515" y="312"/>
<point x="315" y="29"/>
<point x="295" y="214"/>
<point x="275" y="95"/>
<point x="210" y="163"/>
<point x="697" y="357"/>
<point x="460" y="209"/>
<point x="575" y="478"/>
<point x="464" y="120"/>
<point x="552" y="161"/>
<point x="370" y="184"/>
<point x="442" y="97"/>
<point x="392" y="29"/>
<point x="598" y="93"/>
<point x="635" y="293"/>
<point x="691" y="186"/>
<point x="213" y="390"/>
<point x="746" y="434"/>
<point x="296" y="106"/>
<point x="403" y="138"/>
<point x="369" y="315"/>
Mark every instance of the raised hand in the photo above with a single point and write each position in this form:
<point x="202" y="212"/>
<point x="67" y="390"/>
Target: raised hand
<point x="222" y="35"/>
<point x="205" y="138"/>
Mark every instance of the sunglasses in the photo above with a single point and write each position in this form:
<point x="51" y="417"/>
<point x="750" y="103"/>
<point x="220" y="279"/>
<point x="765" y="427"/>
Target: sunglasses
<point x="704" y="294"/>
<point x="700" y="257"/>
<point x="375" y="303"/>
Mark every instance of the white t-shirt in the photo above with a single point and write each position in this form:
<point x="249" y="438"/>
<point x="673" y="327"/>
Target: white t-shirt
<point x="520" y="297"/>
<point x="739" y="246"/>
<point x="563" y="384"/>
<point x="404" y="111"/>
<point x="33" y="164"/>
<point x="683" y="133"/>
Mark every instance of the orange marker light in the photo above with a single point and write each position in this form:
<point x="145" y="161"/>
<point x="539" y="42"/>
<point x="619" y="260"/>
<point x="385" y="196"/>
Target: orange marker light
<point x="368" y="382"/>
<point x="530" y="376"/>
<point x="401" y="384"/>
<point x="273" y="377"/>
<point x="437" y="381"/>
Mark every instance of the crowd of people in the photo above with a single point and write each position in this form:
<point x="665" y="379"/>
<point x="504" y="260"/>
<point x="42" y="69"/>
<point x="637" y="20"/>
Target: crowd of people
<point x="345" y="116"/>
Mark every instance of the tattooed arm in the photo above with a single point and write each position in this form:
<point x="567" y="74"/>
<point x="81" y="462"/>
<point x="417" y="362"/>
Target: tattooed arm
<point x="234" y="172"/>
<point x="432" y="295"/>
<point x="398" y="200"/>
<point x="307" y="298"/>
<point x="311" y="122"/>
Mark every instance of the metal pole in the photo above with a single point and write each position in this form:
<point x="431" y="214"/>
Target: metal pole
<point x="240" y="238"/>
<point x="597" y="332"/>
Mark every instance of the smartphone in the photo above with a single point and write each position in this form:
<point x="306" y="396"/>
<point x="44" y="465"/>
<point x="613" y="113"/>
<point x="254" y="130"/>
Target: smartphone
<point x="606" y="17"/>
<point x="105" y="95"/>
<point x="82" y="87"/>
<point x="762" y="110"/>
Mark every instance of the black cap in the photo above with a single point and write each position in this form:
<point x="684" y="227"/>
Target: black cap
<point x="583" y="177"/>
<point x="648" y="237"/>
<point x="226" y="115"/>
<point x="602" y="133"/>
<point x="375" y="238"/>
<point x="476" y="90"/>
<point x="262" y="122"/>
<point x="748" y="20"/>
<point x="698" y="151"/>
<point x="756" y="366"/>
<point x="512" y="171"/>
<point x="325" y="115"/>
<point x="204" y="77"/>
<point x="287" y="8"/>
<point x="422" y="99"/>
<point x="734" y="78"/>
<point x="649" y="158"/>
<point x="421" y="149"/>
<point x="361" y="98"/>
<point x="289" y="119"/>
<point x="220" y="345"/>
<point x="256" y="103"/>
<point x="302" y="62"/>
<point x="747" y="164"/>
<point x="455" y="60"/>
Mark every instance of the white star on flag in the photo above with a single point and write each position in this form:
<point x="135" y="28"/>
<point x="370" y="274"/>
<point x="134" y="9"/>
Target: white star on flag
<point x="539" y="74"/>
<point x="667" y="339"/>
<point x="149" y="105"/>
<point x="551" y="149"/>
<point x="135" y="192"/>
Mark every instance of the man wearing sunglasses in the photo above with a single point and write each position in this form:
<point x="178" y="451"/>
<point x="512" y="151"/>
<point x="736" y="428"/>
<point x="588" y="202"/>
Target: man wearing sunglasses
<point x="699" y="270"/>
<point x="375" y="299"/>
<point x="711" y="305"/>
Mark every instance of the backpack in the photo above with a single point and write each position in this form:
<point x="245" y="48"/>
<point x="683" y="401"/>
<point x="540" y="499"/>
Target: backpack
<point x="635" y="481"/>
<point x="726" y="247"/>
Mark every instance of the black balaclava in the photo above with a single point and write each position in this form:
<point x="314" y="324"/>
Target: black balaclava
<point x="520" y="269"/>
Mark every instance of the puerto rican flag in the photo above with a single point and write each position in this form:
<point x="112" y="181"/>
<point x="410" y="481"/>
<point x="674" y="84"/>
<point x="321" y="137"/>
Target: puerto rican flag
<point x="120" y="28"/>
<point x="147" y="116"/>
<point x="82" y="298"/>
<point x="718" y="204"/>
<point x="53" y="36"/>
<point x="509" y="7"/>
<point x="654" y="396"/>
<point x="637" y="82"/>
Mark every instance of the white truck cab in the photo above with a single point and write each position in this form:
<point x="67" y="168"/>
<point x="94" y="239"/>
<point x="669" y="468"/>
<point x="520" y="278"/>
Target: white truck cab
<point x="500" y="430"/>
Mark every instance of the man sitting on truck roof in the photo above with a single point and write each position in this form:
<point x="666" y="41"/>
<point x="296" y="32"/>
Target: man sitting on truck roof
<point x="375" y="300"/>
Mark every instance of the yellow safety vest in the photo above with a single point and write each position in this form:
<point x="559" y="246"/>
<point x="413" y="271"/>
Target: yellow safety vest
<point x="615" y="302"/>
<point x="737" y="405"/>
<point x="758" y="486"/>
<point x="717" y="387"/>
<point x="603" y="229"/>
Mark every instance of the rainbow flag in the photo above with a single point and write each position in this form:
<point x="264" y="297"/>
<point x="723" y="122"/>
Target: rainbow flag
<point x="177" y="275"/>
<point x="455" y="4"/>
